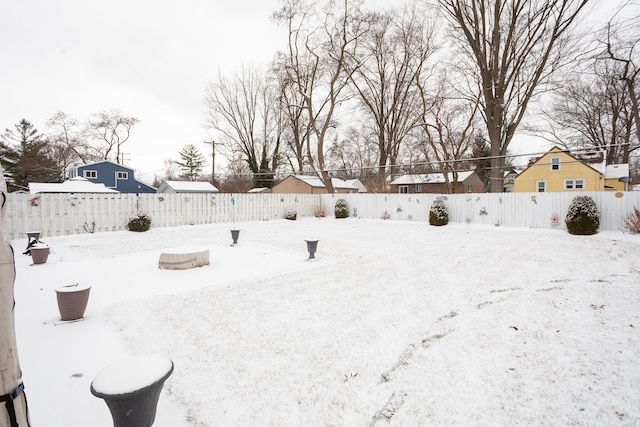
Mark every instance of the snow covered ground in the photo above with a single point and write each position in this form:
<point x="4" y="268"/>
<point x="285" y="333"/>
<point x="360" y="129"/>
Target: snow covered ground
<point x="394" y="323"/>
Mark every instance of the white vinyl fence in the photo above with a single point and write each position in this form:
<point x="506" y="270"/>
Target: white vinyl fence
<point x="63" y="214"/>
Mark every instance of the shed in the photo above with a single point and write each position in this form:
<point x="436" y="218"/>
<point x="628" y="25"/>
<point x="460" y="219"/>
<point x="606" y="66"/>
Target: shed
<point x="358" y="184"/>
<point x="186" y="187"/>
<point x="303" y="184"/>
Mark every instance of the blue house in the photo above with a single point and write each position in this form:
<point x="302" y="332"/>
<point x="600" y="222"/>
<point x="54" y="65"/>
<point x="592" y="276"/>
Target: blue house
<point x="112" y="175"/>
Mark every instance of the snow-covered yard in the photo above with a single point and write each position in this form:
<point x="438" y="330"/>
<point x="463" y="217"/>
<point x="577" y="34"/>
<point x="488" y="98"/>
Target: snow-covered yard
<point x="394" y="323"/>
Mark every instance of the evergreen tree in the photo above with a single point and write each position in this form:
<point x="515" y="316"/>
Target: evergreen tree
<point x="26" y="157"/>
<point x="192" y="162"/>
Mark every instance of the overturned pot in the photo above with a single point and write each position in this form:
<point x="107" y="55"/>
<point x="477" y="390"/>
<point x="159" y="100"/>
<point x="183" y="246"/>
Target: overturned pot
<point x="72" y="301"/>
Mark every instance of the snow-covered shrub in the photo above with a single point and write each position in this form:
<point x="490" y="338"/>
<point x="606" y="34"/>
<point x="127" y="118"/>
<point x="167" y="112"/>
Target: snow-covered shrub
<point x="290" y="214"/>
<point x="632" y="223"/>
<point x="139" y="222"/>
<point x="319" y="212"/>
<point x="341" y="209"/>
<point x="438" y="214"/>
<point x="583" y="217"/>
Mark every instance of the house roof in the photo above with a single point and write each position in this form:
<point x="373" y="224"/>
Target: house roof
<point x="594" y="161"/>
<point x="73" y="185"/>
<point x="429" y="178"/>
<point x="260" y="190"/>
<point x="103" y="162"/>
<point x="358" y="184"/>
<point x="315" y="181"/>
<point x="192" y="186"/>
<point x="617" y="171"/>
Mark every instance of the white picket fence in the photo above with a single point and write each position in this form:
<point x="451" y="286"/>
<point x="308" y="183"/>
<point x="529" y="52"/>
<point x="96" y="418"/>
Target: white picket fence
<point x="63" y="214"/>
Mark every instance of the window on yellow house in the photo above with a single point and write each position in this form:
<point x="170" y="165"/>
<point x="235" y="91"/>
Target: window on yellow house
<point x="555" y="163"/>
<point x="542" y="186"/>
<point x="574" y="184"/>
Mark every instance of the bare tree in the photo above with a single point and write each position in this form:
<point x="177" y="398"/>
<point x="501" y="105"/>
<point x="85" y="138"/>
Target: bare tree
<point x="65" y="136"/>
<point x="448" y="129"/>
<point x="244" y="109"/>
<point x="105" y="134"/>
<point x="392" y="55"/>
<point x="354" y="155"/>
<point x="622" y="40"/>
<point x="321" y="43"/>
<point x="293" y="118"/>
<point x="514" y="47"/>
<point x="592" y="112"/>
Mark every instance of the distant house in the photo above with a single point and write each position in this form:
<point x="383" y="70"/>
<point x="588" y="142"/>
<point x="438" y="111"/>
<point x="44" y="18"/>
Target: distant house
<point x="112" y="175"/>
<point x="186" y="187"/>
<point x="303" y="184"/>
<point x="559" y="170"/>
<point x="509" y="180"/>
<point x="74" y="185"/>
<point x="358" y="184"/>
<point x="260" y="190"/>
<point x="468" y="182"/>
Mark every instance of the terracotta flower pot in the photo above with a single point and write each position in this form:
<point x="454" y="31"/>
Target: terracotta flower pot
<point x="39" y="254"/>
<point x="72" y="301"/>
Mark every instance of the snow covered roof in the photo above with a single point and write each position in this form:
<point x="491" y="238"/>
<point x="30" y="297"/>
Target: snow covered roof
<point x="190" y="186"/>
<point x="358" y="184"/>
<point x="315" y="181"/>
<point x="260" y="190"/>
<point x="73" y="185"/>
<point x="429" y="178"/>
<point x="617" y="171"/>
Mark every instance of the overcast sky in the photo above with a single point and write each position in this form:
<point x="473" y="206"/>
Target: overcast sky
<point x="150" y="59"/>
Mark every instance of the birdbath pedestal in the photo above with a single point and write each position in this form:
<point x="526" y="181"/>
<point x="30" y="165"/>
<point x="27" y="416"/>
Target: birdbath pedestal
<point x="131" y="389"/>
<point x="234" y="235"/>
<point x="312" y="245"/>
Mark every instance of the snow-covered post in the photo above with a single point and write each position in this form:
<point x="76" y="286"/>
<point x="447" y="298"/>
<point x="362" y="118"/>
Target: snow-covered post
<point x="13" y="408"/>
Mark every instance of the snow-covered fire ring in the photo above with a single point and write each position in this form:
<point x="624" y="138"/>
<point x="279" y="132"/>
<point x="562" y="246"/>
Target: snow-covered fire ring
<point x="183" y="257"/>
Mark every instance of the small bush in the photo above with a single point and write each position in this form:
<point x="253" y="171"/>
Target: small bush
<point x="319" y="212"/>
<point x="341" y="209"/>
<point x="385" y="215"/>
<point x="632" y="223"/>
<point x="583" y="217"/>
<point x="139" y="222"/>
<point x="438" y="214"/>
<point x="290" y="214"/>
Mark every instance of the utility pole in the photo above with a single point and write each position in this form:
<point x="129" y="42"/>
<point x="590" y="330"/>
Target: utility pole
<point x="213" y="159"/>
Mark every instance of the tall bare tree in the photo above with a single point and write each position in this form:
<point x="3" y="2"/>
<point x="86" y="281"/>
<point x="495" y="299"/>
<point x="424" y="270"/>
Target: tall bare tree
<point x="448" y="127"/>
<point x="105" y="134"/>
<point x="514" y="47"/>
<point x="622" y="41"/>
<point x="392" y="55"/>
<point x="293" y="118"/>
<point x="592" y="112"/>
<point x="321" y="43"/>
<point x="65" y="135"/>
<point x="243" y="108"/>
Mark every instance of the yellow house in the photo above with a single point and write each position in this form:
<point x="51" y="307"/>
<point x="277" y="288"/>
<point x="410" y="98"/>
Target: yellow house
<point x="558" y="170"/>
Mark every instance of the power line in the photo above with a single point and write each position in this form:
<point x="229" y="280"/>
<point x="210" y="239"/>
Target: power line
<point x="440" y="162"/>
